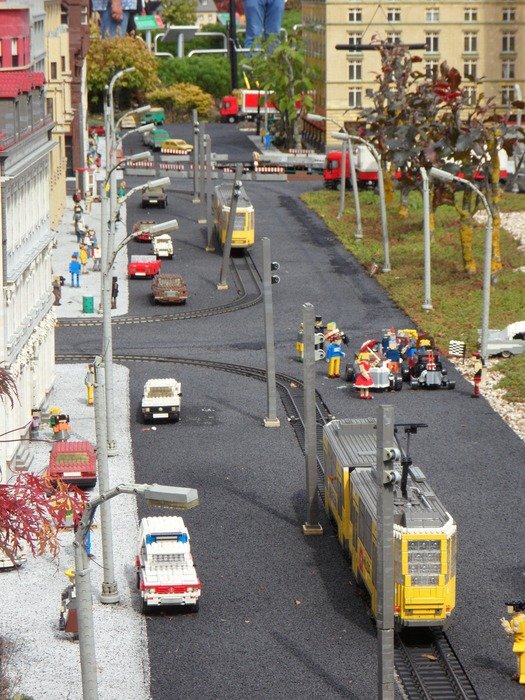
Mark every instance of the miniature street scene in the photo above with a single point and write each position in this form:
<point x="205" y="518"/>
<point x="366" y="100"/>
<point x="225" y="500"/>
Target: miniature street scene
<point x="327" y="289"/>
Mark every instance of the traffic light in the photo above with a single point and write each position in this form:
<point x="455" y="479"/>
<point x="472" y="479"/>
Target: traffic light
<point x="275" y="278"/>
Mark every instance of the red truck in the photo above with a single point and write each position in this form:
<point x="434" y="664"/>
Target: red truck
<point x="246" y="104"/>
<point x="365" y="167"/>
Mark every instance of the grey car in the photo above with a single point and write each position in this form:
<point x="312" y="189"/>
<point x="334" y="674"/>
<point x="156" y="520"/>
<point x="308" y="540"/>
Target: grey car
<point x="508" y="341"/>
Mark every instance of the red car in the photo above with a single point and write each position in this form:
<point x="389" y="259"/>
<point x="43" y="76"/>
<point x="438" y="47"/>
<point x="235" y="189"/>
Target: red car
<point x="143" y="266"/>
<point x="74" y="463"/>
<point x="143" y="228"/>
<point x="98" y="130"/>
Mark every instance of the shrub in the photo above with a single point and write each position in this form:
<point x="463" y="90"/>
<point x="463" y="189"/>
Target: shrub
<point x="180" y="99"/>
<point x="210" y="73"/>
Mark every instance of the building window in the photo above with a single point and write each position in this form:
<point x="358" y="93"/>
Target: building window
<point x="49" y="106"/>
<point x="354" y="39"/>
<point x="393" y="38"/>
<point x="507" y="95"/>
<point x="470" y="96"/>
<point x="355" y="70"/>
<point x="470" y="42"/>
<point x="431" y="70"/>
<point x="54" y="72"/>
<point x="432" y="14"/>
<point x="508" y="44"/>
<point x="471" y="14"/>
<point x="432" y="42"/>
<point x="509" y="14"/>
<point x="508" y="70"/>
<point x="354" y="98"/>
<point x="393" y="14"/>
<point x="14" y="53"/>
<point x="64" y="14"/>
<point x="355" y="15"/>
<point x="470" y="70"/>
<point x="63" y="64"/>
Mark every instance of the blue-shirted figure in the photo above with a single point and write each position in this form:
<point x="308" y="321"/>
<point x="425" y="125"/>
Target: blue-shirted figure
<point x="263" y="18"/>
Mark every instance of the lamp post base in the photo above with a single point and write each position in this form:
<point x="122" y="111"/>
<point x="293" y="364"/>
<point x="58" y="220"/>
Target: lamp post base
<point x="309" y="529"/>
<point x="222" y="285"/>
<point x="109" y="594"/>
<point x="271" y="423"/>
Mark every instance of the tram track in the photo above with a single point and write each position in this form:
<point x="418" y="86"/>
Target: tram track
<point x="427" y="668"/>
<point x="245" y="299"/>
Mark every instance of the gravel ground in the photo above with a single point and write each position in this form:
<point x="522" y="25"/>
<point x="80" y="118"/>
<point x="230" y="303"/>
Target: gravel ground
<point x="512" y="413"/>
<point x="44" y="662"/>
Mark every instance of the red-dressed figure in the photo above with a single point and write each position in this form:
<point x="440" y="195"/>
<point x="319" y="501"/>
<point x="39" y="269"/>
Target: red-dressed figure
<point x="479" y="364"/>
<point x="364" y="381"/>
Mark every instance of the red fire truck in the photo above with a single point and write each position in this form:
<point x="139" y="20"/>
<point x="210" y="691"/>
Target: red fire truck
<point x="365" y="167"/>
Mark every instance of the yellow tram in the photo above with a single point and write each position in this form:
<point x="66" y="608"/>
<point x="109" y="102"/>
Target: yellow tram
<point x="424" y="535"/>
<point x="243" y="235"/>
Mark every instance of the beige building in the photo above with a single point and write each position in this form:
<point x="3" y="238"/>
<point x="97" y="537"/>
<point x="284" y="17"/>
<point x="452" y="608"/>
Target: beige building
<point x="481" y="39"/>
<point x="58" y="83"/>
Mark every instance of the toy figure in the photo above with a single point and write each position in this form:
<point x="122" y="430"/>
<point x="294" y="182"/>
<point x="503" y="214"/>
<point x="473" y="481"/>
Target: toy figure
<point x="364" y="381"/>
<point x="479" y="364"/>
<point x="36" y="418"/>
<point x="62" y="427"/>
<point x="77" y="197"/>
<point x="58" y="283"/>
<point x="114" y="15"/>
<point x="393" y="356"/>
<point x="121" y="191"/>
<point x="97" y="257"/>
<point x="83" y="258"/>
<point x="516" y="629"/>
<point x="114" y="293"/>
<point x="334" y="354"/>
<point x="74" y="270"/>
<point x="54" y="411"/>
<point x="89" y="381"/>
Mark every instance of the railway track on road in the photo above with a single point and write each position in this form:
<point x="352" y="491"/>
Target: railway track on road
<point x="245" y="298"/>
<point x="427" y="667"/>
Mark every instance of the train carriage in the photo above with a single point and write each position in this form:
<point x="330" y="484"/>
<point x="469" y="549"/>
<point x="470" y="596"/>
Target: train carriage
<point x="424" y="536"/>
<point x="243" y="235"/>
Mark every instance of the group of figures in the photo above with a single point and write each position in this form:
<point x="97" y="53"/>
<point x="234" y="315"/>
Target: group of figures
<point x="399" y="356"/>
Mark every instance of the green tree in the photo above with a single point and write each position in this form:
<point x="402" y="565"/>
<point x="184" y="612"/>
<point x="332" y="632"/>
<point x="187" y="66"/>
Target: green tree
<point x="107" y="56"/>
<point x="179" y="12"/>
<point x="210" y="73"/>
<point x="280" y="68"/>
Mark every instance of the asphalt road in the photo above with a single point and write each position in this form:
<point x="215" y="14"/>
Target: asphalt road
<point x="280" y="614"/>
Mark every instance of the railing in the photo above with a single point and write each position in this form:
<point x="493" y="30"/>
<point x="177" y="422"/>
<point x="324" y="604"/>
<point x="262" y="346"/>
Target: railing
<point x="7" y="141"/>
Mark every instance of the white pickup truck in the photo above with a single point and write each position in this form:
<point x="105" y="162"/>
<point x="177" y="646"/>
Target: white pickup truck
<point x="165" y="571"/>
<point x="163" y="246"/>
<point x="161" y="400"/>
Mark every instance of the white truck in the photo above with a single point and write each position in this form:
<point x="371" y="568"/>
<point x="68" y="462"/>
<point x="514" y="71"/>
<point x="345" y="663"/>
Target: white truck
<point x="161" y="400"/>
<point x="165" y="571"/>
<point x="163" y="246"/>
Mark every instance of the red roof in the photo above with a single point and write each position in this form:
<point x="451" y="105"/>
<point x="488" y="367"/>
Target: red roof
<point x="14" y="82"/>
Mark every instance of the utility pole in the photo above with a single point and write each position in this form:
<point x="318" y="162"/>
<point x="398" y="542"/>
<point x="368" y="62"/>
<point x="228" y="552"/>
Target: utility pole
<point x="210" y="248"/>
<point x="312" y="525"/>
<point x="342" y="183"/>
<point x="195" y="156"/>
<point x="271" y="421"/>
<point x="236" y="192"/>
<point x="386" y="478"/>
<point x="202" y="187"/>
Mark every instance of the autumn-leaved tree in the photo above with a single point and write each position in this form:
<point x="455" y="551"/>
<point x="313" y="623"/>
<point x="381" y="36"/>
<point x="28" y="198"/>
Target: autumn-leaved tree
<point x="418" y="121"/>
<point x="280" y="68"/>
<point x="32" y="509"/>
<point x="107" y="56"/>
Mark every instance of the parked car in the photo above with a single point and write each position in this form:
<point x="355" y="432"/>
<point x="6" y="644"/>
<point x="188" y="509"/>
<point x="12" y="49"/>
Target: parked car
<point x="163" y="246"/>
<point x="177" y="145"/>
<point x="155" y="196"/>
<point x="155" y="138"/>
<point x="143" y="266"/>
<point x="130" y="121"/>
<point x="144" y="230"/>
<point x="169" y="289"/>
<point x="156" y="115"/>
<point x="74" y="463"/>
<point x="426" y="370"/>
<point x="508" y="341"/>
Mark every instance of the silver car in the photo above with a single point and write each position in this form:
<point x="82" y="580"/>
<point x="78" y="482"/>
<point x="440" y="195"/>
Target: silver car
<point x="507" y="342"/>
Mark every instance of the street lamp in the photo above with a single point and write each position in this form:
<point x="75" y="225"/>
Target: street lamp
<point x="358" y="229"/>
<point x="445" y="176"/>
<point x="381" y="184"/>
<point x="155" y="495"/>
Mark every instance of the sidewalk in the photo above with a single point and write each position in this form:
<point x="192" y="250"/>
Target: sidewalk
<point x="72" y="297"/>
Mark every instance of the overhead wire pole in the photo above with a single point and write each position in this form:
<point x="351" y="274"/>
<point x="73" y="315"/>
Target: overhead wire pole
<point x="342" y="184"/>
<point x="427" y="294"/>
<point x="195" y="156"/>
<point x="236" y="192"/>
<point x="210" y="248"/>
<point x="312" y="525"/>
<point x="271" y="420"/>
<point x="386" y="477"/>
<point x="232" y="46"/>
<point x="202" y="182"/>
